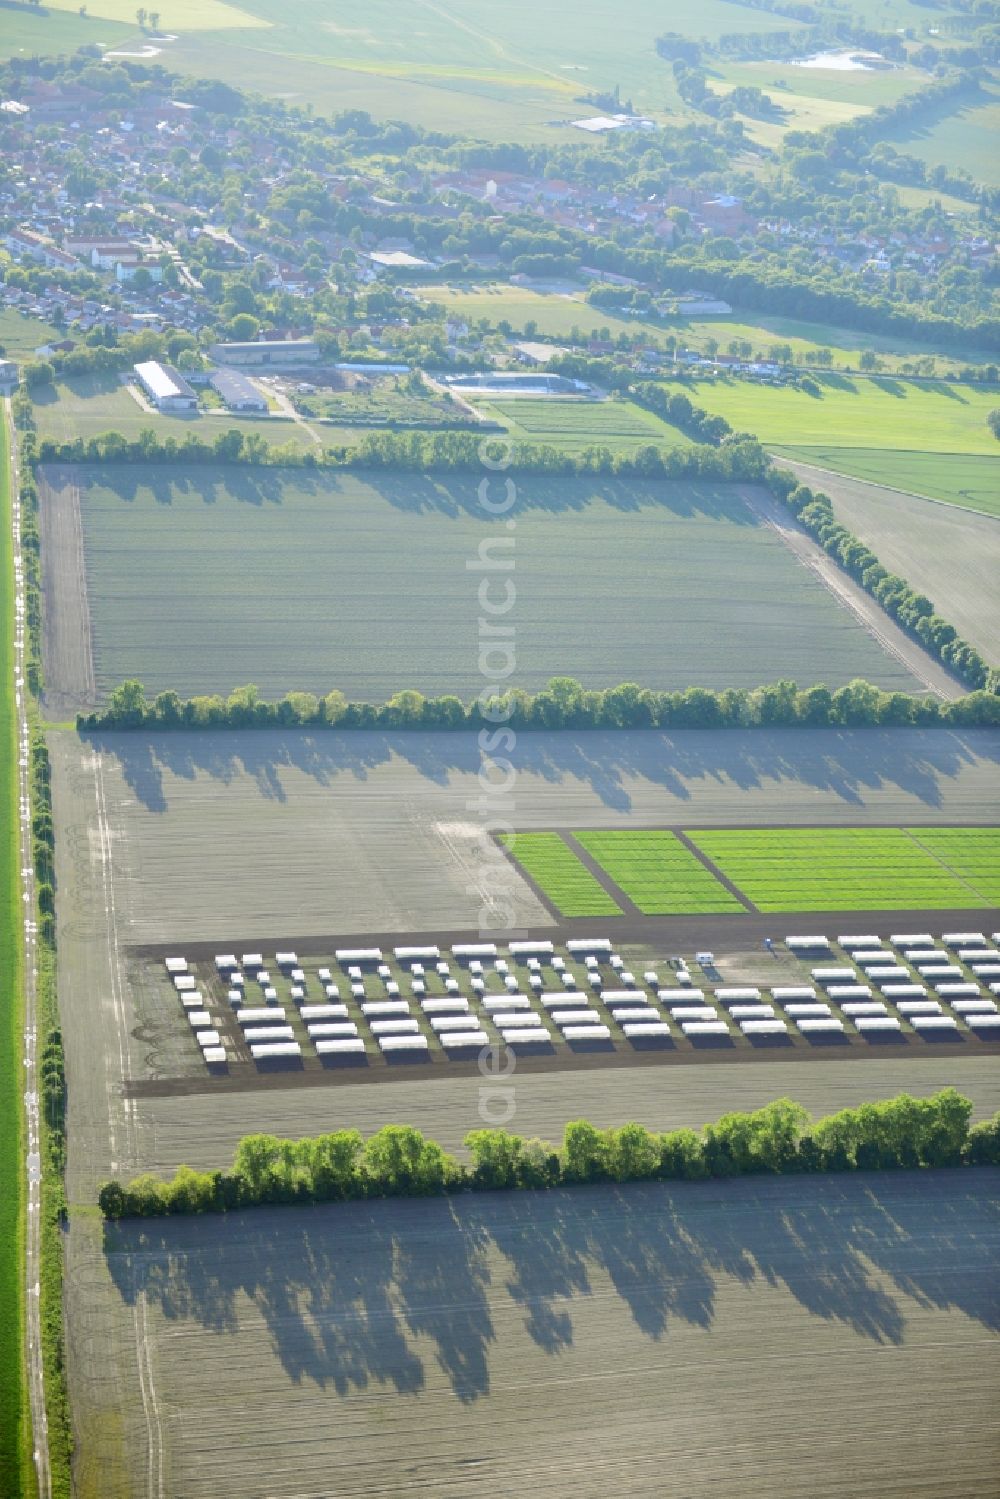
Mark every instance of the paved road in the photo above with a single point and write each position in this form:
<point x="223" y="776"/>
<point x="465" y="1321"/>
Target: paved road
<point x="32" y="1248"/>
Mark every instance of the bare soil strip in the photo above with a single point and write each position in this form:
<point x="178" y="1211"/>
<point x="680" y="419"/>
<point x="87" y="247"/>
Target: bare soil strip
<point x="67" y="644"/>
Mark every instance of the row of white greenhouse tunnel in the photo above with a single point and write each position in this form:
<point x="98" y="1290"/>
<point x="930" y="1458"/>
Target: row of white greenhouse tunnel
<point x="879" y="978"/>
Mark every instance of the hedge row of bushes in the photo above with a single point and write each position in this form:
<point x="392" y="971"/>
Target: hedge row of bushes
<point x="914" y="611"/>
<point x="563" y="704"/>
<point x="399" y="1161"/>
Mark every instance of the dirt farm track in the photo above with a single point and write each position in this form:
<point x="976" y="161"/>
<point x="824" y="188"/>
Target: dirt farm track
<point x="751" y="1338"/>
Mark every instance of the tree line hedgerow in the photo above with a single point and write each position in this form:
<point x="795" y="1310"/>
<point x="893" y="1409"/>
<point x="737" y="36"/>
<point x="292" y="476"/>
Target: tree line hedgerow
<point x="912" y="610"/>
<point x="563" y="704"/>
<point x="399" y="1161"/>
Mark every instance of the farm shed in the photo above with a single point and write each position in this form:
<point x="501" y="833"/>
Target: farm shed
<point x="344" y="1028"/>
<point x="264" y="1050"/>
<point x="323" y="1012"/>
<point x="329" y="1047"/>
<point x="268" y="1033"/>
<point x="695" y="1028"/>
<point x="587" y="1033"/>
<point x="637" y="1031"/>
<point x="516" y="1018"/>
<point x="417" y="954"/>
<point x="531" y="949"/>
<point x="403" y="1043"/>
<point x="474" y="950"/>
<point x="864" y="1009"/>
<point x="278" y="353"/>
<point x="526" y="1037"/>
<point x="237" y="391"/>
<point x="463" y="1040"/>
<point x="346" y="955"/>
<point x="852" y="942"/>
<point x="782" y="992"/>
<point x="877" y="1024"/>
<point x="167" y="390"/>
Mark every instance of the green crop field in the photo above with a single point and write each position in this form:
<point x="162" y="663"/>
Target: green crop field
<point x="973" y="854"/>
<point x="658" y="873"/>
<point x="557" y="871"/>
<point x="844" y="869"/>
<point x="958" y="137"/>
<point x="574" y="425"/>
<point x="203" y="577"/>
<point x="12" y="1409"/>
<point x="467" y="68"/>
<point x="969" y="480"/>
<point x="857" y="412"/>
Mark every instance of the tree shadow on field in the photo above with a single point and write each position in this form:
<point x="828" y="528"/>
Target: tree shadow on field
<point x="849" y="766"/>
<point x="361" y="1294"/>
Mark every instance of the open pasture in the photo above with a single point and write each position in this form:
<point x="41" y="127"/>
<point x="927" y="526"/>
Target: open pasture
<point x="402" y="1336"/>
<point x="469" y="70"/>
<point x="204" y="577"/>
<point x="962" y="136"/>
<point x="20" y="336"/>
<point x="658" y="873"/>
<point x="857" y="412"/>
<point x="573" y="425"/>
<point x="844" y="869"/>
<point x="963" y="479"/>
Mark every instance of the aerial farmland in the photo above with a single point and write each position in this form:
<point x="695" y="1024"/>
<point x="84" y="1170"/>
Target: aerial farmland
<point x="500" y="899"/>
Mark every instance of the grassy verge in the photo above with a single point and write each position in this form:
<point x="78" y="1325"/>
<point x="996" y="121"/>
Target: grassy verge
<point x="15" y="1468"/>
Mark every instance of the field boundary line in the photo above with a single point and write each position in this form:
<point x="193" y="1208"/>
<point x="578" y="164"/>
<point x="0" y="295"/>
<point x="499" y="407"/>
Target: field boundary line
<point x="909" y="494"/>
<point x="150" y="1404"/>
<point x="32" y="1112"/>
<point x="114" y="950"/>
<point x="918" y="664"/>
<point x="953" y="872"/>
<point x="629" y="907"/>
<point x="714" y="870"/>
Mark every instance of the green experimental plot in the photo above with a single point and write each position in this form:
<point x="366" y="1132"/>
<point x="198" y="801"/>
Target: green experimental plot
<point x="855" y="869"/>
<point x="658" y="873"/>
<point x="972" y="854"/>
<point x="574" y="425"/>
<point x="555" y="869"/>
